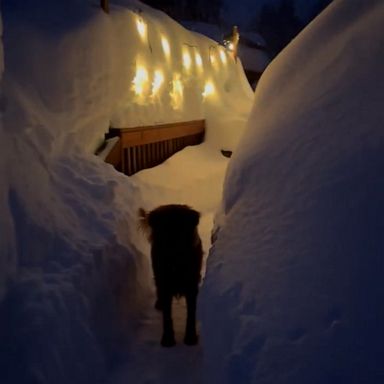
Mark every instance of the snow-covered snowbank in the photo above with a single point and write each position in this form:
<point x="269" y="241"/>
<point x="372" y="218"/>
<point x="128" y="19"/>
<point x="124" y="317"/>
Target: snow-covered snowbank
<point x="6" y="258"/>
<point x="294" y="291"/>
<point x="73" y="274"/>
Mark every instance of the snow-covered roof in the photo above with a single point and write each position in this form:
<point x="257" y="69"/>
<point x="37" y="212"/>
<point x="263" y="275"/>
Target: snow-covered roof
<point x="253" y="39"/>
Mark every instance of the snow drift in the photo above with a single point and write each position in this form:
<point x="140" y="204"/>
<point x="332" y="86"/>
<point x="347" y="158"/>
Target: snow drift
<point x="73" y="274"/>
<point x="294" y="290"/>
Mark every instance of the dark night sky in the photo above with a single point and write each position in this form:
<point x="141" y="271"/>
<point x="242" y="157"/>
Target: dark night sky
<point x="278" y="25"/>
<point x="240" y="11"/>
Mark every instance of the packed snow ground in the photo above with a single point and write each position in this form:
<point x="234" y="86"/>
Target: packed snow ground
<point x="147" y="362"/>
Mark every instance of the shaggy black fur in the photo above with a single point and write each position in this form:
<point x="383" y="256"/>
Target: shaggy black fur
<point x="176" y="254"/>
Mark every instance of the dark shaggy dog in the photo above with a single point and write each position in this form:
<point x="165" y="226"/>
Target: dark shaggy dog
<point x="176" y="254"/>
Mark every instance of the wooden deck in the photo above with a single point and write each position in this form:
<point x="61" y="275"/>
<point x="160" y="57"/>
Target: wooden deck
<point x="145" y="147"/>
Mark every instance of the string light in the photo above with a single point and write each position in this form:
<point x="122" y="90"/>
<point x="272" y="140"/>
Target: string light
<point x="140" y="81"/>
<point x="141" y="84"/>
<point x="187" y="61"/>
<point x="166" y="47"/>
<point x="209" y="89"/>
<point x="198" y="60"/>
<point x="212" y="59"/>
<point x="141" y="28"/>
<point x="223" y="57"/>
<point x="177" y="92"/>
<point x="158" y="81"/>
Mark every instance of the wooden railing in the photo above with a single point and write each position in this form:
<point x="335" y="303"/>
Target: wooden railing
<point x="145" y="147"/>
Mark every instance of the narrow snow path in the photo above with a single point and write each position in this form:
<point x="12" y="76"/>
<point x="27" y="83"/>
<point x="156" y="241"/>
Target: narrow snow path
<point x="149" y="363"/>
<point x="193" y="176"/>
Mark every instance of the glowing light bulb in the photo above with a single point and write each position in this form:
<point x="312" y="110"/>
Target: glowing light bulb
<point x="230" y="46"/>
<point x="187" y="61"/>
<point x="158" y="81"/>
<point x="212" y="59"/>
<point x="140" y="80"/>
<point x="177" y="92"/>
<point x="209" y="89"/>
<point x="198" y="60"/>
<point x="166" y="47"/>
<point x="178" y="86"/>
<point x="141" y="28"/>
<point x="223" y="57"/>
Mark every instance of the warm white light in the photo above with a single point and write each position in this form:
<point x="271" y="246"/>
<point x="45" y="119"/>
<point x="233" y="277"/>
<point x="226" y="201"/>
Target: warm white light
<point x="230" y="46"/>
<point x="165" y="45"/>
<point x="158" y="81"/>
<point x="198" y="60"/>
<point x="177" y="92"/>
<point x="223" y="57"/>
<point x="141" y="28"/>
<point x="187" y="61"/>
<point x="209" y="89"/>
<point x="212" y="59"/>
<point x="140" y="80"/>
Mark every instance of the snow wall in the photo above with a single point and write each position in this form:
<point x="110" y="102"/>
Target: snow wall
<point x="73" y="277"/>
<point x="294" y="287"/>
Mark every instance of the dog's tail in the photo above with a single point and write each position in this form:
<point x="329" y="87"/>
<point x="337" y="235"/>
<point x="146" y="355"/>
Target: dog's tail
<point x="142" y="214"/>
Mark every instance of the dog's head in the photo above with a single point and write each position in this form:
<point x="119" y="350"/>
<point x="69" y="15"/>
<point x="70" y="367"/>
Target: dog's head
<point x="174" y="221"/>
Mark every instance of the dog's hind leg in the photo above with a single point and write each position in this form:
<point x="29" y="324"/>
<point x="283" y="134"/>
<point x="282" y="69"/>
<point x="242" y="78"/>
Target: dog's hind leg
<point x="159" y="295"/>
<point x="191" y="337"/>
<point x="168" y="338"/>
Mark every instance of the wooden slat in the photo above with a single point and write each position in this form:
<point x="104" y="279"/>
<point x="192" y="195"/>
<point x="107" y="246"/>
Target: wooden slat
<point x="151" y="134"/>
<point x="114" y="155"/>
<point x="146" y="147"/>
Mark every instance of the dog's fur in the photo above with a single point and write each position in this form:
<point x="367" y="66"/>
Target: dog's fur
<point x="176" y="254"/>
